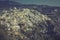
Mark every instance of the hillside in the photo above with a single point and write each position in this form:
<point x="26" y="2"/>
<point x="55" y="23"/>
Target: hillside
<point x="29" y="22"/>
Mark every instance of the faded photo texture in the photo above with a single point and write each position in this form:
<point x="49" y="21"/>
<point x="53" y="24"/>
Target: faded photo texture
<point x="29" y="19"/>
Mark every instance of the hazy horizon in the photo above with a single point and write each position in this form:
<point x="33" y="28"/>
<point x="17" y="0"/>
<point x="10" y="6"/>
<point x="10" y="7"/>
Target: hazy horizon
<point x="40" y="2"/>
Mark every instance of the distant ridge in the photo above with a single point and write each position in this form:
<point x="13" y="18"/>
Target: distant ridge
<point x="7" y="4"/>
<point x="14" y="3"/>
<point x="41" y="8"/>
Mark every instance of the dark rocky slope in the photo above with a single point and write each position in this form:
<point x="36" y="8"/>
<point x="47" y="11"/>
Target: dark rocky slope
<point x="29" y="22"/>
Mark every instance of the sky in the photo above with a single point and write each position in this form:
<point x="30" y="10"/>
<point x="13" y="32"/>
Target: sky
<point x="40" y="2"/>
